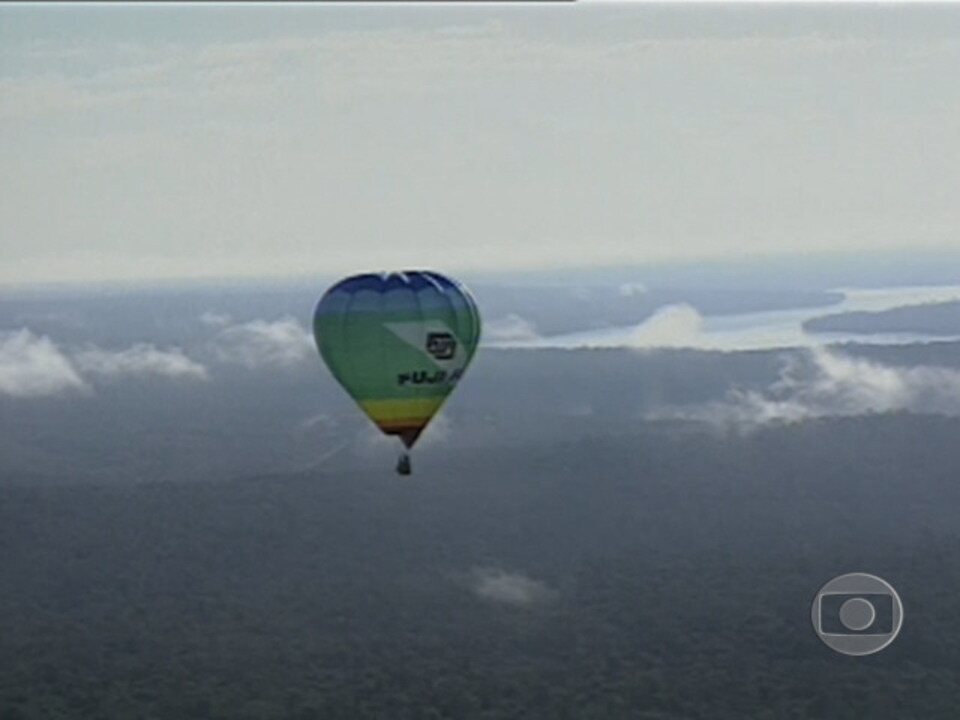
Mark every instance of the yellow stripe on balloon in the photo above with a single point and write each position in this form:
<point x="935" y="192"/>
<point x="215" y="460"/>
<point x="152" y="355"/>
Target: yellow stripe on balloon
<point x="406" y="411"/>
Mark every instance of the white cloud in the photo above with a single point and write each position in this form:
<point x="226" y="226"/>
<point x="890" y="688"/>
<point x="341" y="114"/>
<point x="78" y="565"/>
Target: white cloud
<point x="139" y="360"/>
<point x="674" y="326"/>
<point x="215" y="319"/>
<point x="670" y="326"/>
<point x="259" y="343"/>
<point x="631" y="289"/>
<point x="824" y="383"/>
<point x="32" y="366"/>
<point x="511" y="328"/>
<point x="508" y="588"/>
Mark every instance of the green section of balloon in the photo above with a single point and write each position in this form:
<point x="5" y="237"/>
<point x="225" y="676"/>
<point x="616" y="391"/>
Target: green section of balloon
<point x="398" y="343"/>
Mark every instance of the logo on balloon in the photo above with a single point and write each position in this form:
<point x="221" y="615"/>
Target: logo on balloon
<point x="441" y="345"/>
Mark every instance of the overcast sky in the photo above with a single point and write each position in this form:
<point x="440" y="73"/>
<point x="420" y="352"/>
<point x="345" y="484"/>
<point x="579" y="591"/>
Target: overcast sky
<point x="159" y="142"/>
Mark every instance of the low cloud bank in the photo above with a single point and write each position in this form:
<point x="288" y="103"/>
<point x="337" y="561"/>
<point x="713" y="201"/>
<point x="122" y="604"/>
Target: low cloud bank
<point x="33" y="366"/>
<point x="508" y="588"/>
<point x="509" y="329"/>
<point x="670" y="326"/>
<point x="824" y="383"/>
<point x="261" y="343"/>
<point x="675" y="326"/>
<point x="137" y="361"/>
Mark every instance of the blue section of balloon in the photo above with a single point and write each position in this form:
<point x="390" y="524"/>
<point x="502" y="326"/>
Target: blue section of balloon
<point x="365" y="293"/>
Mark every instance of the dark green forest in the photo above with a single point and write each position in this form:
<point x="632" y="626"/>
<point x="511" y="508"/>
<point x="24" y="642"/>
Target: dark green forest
<point x="666" y="571"/>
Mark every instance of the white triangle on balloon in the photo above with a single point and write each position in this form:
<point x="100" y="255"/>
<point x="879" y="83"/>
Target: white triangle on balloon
<point x="416" y="334"/>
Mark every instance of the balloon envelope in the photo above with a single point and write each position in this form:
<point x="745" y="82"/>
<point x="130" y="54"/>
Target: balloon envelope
<point x="398" y="343"/>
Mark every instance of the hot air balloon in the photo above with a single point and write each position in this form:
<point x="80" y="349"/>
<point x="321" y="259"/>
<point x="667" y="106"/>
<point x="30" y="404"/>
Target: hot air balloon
<point x="398" y="343"/>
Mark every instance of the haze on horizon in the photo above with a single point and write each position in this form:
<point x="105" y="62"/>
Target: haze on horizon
<point x="178" y="142"/>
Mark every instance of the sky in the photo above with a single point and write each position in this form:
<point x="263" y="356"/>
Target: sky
<point x="151" y="142"/>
